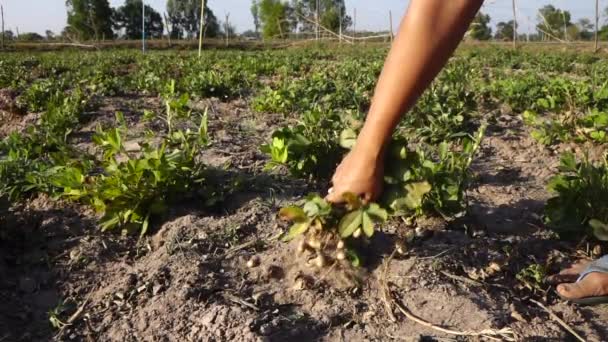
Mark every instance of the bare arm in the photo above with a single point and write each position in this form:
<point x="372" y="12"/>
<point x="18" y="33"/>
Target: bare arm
<point x="429" y="33"/>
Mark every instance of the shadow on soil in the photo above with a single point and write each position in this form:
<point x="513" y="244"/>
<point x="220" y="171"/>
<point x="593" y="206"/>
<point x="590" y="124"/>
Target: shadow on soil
<point x="30" y="244"/>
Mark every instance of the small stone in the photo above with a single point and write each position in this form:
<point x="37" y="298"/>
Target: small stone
<point x="156" y="289"/>
<point x="253" y="262"/>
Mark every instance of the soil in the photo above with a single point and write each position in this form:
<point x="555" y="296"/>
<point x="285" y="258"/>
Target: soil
<point x="190" y="280"/>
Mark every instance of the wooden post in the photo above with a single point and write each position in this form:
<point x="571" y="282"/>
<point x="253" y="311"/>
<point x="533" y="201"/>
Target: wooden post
<point x="390" y="19"/>
<point x="200" y="33"/>
<point x="143" y="26"/>
<point x="355" y="25"/>
<point x="514" y="24"/>
<point x="565" y="28"/>
<point x="597" y="22"/>
<point x="169" y="29"/>
<point x="2" y="11"/>
<point x="317" y="19"/>
<point x="340" y="39"/>
<point x="226" y="28"/>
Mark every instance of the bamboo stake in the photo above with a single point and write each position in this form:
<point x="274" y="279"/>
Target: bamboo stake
<point x="354" y="24"/>
<point x="317" y="17"/>
<point x="226" y="25"/>
<point x="200" y="33"/>
<point x="565" y="28"/>
<point x="514" y="24"/>
<point x="2" y="10"/>
<point x="169" y="29"/>
<point x="597" y="22"/>
<point x="340" y="27"/>
<point x="143" y="26"/>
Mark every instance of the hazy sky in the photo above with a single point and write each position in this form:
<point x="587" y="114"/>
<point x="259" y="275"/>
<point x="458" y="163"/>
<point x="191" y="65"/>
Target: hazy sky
<point x="40" y="15"/>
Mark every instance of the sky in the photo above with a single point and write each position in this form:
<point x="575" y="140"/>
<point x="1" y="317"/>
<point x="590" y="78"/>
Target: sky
<point x="41" y="15"/>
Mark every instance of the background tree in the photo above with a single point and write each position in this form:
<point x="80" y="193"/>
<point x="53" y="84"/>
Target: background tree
<point x="128" y="18"/>
<point x="273" y="17"/>
<point x="185" y="16"/>
<point x="256" y="16"/>
<point x="480" y="28"/>
<point x="553" y="21"/>
<point x="504" y="30"/>
<point x="585" y="28"/>
<point x="90" y="19"/>
<point x="49" y="35"/>
<point x="331" y="11"/>
<point x="9" y="35"/>
<point x="30" y="37"/>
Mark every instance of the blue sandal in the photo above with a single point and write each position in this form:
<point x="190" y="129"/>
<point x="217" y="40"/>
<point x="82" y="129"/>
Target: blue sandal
<point x="600" y="265"/>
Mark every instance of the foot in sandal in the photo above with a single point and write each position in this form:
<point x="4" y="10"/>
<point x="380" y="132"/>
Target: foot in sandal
<point x="585" y="283"/>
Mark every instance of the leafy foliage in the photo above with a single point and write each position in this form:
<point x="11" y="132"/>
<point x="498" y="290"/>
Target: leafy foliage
<point x="580" y="204"/>
<point x="426" y="180"/>
<point x="310" y="148"/>
<point x="90" y="19"/>
<point x="128" y="18"/>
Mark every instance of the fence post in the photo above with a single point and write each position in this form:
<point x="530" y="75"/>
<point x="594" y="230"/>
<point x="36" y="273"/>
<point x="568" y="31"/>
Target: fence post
<point x="143" y="26"/>
<point x="200" y="33"/>
<point x="514" y="24"/>
<point x="169" y="29"/>
<point x="226" y="28"/>
<point x="2" y="10"/>
<point x="355" y="26"/>
<point x="318" y="18"/>
<point x="340" y="39"/>
<point x="597" y="22"/>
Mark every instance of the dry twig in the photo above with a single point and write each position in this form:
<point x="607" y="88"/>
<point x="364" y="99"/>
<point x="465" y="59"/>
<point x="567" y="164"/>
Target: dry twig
<point x="559" y="320"/>
<point x="504" y="334"/>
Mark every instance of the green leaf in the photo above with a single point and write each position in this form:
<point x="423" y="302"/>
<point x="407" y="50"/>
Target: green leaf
<point x="376" y="212"/>
<point x="293" y="213"/>
<point x="367" y="224"/>
<point x="530" y="118"/>
<point x="295" y="230"/>
<point x="349" y="223"/>
<point x="415" y="194"/>
<point x="348" y="137"/>
<point x="144" y="225"/>
<point x="568" y="162"/>
<point x="600" y="229"/>
<point x="353" y="257"/>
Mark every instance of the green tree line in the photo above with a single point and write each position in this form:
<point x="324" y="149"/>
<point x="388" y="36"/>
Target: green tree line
<point x="552" y="23"/>
<point x="96" y="20"/>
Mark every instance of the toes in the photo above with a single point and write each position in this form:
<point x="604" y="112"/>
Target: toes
<point x="593" y="285"/>
<point x="561" y="278"/>
<point x="570" y="291"/>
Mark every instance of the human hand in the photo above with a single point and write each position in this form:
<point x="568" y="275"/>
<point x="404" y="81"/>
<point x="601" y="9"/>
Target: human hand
<point x="359" y="173"/>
